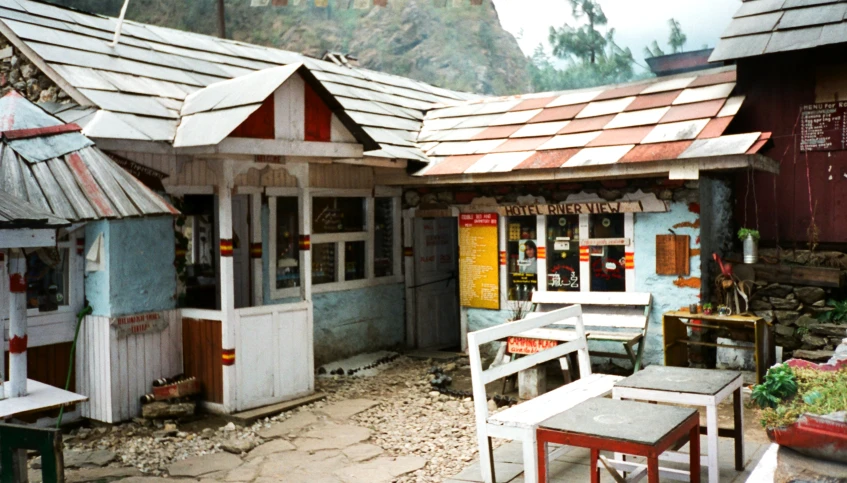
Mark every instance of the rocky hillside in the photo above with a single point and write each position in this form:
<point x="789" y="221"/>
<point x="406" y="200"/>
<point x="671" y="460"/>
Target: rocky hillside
<point x="462" y="48"/>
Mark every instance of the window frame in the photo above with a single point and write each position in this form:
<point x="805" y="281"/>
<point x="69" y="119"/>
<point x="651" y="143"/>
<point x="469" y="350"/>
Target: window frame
<point x="339" y="239"/>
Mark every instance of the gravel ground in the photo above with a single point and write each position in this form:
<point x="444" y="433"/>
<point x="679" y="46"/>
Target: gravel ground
<point x="411" y="420"/>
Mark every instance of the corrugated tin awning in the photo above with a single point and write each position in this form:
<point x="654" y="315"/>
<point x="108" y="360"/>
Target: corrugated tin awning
<point x="79" y="185"/>
<point x="663" y="119"/>
<point x="769" y="26"/>
<point x="17" y="213"/>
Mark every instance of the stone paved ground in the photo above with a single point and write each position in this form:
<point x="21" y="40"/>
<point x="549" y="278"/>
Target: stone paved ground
<point x="385" y="428"/>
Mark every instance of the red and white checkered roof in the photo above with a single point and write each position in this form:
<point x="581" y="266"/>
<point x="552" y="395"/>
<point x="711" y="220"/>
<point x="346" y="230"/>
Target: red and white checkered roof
<point x="661" y="119"/>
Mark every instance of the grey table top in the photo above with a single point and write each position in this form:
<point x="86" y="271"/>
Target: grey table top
<point x="631" y="421"/>
<point x="680" y="379"/>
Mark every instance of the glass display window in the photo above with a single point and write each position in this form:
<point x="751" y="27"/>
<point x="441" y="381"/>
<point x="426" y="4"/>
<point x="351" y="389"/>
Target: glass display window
<point x="383" y="237"/>
<point x="338" y="215"/>
<point x="354" y="260"/>
<point x="287" y="256"/>
<point x="522" y="257"/>
<point x="607" y="262"/>
<point x="47" y="278"/>
<point x="324" y="263"/>
<point x="562" y="240"/>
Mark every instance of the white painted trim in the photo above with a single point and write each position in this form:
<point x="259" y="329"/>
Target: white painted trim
<point x="277" y="147"/>
<point x="272" y="308"/>
<point x="629" y="233"/>
<point x="277" y="293"/>
<point x="584" y="267"/>
<point x="248" y="190"/>
<point x="27" y="238"/>
<point x="374" y="162"/>
<point x="409" y="276"/>
<point x="502" y="224"/>
<point x="283" y="192"/>
<point x="189" y="190"/>
<point x="256" y="237"/>
<point x="387" y="191"/>
<point x="340" y="237"/>
<point x="227" y="280"/>
<point x="202" y="314"/>
<point x="541" y="263"/>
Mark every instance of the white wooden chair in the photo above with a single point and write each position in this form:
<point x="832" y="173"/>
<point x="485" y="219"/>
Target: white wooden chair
<point x="520" y="422"/>
<point x="618" y="317"/>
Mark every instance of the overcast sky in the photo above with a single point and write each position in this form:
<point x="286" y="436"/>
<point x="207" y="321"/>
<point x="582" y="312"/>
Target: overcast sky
<point x="636" y="22"/>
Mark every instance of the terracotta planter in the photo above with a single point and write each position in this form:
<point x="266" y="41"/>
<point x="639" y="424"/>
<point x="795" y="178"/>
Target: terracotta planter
<point x="822" y="437"/>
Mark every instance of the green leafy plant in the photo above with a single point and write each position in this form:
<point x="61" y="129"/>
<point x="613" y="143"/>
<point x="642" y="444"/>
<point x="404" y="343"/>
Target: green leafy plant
<point x="707" y="305"/>
<point x="779" y="385"/>
<point x="745" y="232"/>
<point x="818" y="392"/>
<point x="838" y="314"/>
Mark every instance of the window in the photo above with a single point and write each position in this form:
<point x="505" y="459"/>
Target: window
<point x="338" y="215"/>
<point x="522" y="253"/>
<point x="608" y="261"/>
<point x="47" y="272"/>
<point x="563" y="253"/>
<point x="383" y="237"/>
<point x="355" y="239"/>
<point x="197" y="253"/>
<point x="286" y="257"/>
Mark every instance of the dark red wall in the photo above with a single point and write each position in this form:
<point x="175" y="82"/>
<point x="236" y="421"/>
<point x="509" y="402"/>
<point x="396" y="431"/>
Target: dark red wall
<point x="777" y="86"/>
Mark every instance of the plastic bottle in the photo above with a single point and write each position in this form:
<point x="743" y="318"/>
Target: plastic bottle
<point x="840" y="352"/>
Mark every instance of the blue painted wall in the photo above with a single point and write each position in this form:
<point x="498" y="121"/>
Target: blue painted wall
<point x="666" y="295"/>
<point x="347" y="322"/>
<point x="139" y="274"/>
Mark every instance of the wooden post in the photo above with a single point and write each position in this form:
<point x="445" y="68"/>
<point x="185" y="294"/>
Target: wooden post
<point x="17" y="324"/>
<point x="4" y="302"/>
<point x="409" y="261"/>
<point x="221" y="19"/>
<point x="227" y="278"/>
<point x="256" y="248"/>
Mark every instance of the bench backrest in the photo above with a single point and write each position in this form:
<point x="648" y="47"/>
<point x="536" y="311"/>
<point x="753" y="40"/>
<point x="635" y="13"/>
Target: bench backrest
<point x="618" y="310"/>
<point x="571" y="315"/>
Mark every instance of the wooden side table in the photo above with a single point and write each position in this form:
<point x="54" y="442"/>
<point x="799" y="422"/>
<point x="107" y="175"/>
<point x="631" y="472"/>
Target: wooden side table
<point x="629" y="427"/>
<point x="676" y="341"/>
<point x="694" y="387"/>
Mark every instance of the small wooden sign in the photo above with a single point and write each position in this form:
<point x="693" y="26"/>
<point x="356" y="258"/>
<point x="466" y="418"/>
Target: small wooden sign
<point x="525" y="345"/>
<point x="139" y="324"/>
<point x="673" y="255"/>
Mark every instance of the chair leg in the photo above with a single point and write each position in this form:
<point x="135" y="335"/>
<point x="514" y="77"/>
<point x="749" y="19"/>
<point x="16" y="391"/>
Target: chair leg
<point x="530" y="457"/>
<point x="640" y="354"/>
<point x="486" y="458"/>
<point x="633" y="359"/>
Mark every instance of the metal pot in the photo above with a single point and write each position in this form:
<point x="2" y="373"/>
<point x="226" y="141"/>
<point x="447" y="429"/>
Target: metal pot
<point x="751" y="250"/>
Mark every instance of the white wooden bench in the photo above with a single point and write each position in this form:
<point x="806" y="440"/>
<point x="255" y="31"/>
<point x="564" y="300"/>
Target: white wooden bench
<point x="520" y="422"/>
<point x="608" y="316"/>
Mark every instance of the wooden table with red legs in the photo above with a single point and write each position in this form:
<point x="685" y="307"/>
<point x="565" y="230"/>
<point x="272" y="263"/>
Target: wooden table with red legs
<point x="629" y="427"/>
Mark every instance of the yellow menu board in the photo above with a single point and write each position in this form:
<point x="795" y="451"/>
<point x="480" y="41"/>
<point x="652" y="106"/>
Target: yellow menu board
<point x="479" y="274"/>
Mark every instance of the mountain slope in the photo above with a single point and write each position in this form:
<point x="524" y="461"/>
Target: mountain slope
<point x="462" y="48"/>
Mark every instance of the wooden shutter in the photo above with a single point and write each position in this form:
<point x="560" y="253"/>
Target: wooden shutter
<point x="673" y="255"/>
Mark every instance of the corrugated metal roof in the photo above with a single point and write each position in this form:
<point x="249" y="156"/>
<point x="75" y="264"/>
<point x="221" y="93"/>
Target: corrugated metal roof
<point x="75" y="184"/>
<point x="769" y="26"/>
<point x="17" y="213"/>
<point x="154" y="67"/>
<point x="660" y="119"/>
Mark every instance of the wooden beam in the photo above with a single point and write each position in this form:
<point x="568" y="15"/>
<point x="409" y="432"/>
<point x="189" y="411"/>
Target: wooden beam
<point x="278" y="147"/>
<point x="54" y="76"/>
<point x="585" y="173"/>
<point x="28" y="238"/>
<point x="799" y="275"/>
<point x="375" y="162"/>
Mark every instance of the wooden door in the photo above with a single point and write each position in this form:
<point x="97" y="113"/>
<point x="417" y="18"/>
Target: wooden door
<point x="436" y="283"/>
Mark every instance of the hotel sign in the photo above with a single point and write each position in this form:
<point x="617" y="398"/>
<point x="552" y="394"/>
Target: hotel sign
<point x="591" y="208"/>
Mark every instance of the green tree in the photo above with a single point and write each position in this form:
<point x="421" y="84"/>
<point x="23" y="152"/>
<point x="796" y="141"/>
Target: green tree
<point x="584" y="42"/>
<point x="677" y="38"/>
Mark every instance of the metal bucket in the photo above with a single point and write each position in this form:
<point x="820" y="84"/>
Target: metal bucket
<point x="751" y="250"/>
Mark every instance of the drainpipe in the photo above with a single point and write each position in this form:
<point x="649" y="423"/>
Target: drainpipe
<point x="17" y="325"/>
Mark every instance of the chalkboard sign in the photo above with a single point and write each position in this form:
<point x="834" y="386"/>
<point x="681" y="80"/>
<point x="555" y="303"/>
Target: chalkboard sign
<point x="822" y="127"/>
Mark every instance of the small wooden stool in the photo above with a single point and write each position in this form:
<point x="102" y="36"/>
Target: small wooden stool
<point x="15" y="440"/>
<point x="629" y="427"/>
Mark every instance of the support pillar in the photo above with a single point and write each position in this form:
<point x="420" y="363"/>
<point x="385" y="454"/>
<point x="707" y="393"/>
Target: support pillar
<point x="227" y="277"/>
<point x="17" y="324"/>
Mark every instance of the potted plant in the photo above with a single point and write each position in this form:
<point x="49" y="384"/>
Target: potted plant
<point x="750" y="239"/>
<point x="707" y="308"/>
<point x="804" y="407"/>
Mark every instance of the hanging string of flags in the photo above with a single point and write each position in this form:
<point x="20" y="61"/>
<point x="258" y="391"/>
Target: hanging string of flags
<point x="356" y="4"/>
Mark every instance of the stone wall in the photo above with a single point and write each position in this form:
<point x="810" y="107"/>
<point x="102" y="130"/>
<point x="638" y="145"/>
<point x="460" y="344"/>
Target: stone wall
<point x="794" y="308"/>
<point x="18" y="73"/>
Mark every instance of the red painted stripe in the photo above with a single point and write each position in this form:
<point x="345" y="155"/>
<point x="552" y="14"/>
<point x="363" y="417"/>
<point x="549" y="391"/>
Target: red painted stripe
<point x="503" y="258"/>
<point x="542" y="252"/>
<point x="305" y="242"/>
<point x="228" y="357"/>
<point x="255" y="250"/>
<point x="17" y="345"/>
<point x="408" y="252"/>
<point x="89" y="185"/>
<point x="80" y="246"/>
<point x="226" y="248"/>
<point x="17" y="284"/>
<point x="41" y="131"/>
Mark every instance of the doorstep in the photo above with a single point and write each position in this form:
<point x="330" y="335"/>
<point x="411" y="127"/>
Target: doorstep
<point x="245" y="418"/>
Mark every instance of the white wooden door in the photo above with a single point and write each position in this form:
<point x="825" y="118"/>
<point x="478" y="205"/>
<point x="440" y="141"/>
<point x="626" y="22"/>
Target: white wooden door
<point x="436" y="283"/>
<point x="241" y="249"/>
<point x="275" y="359"/>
